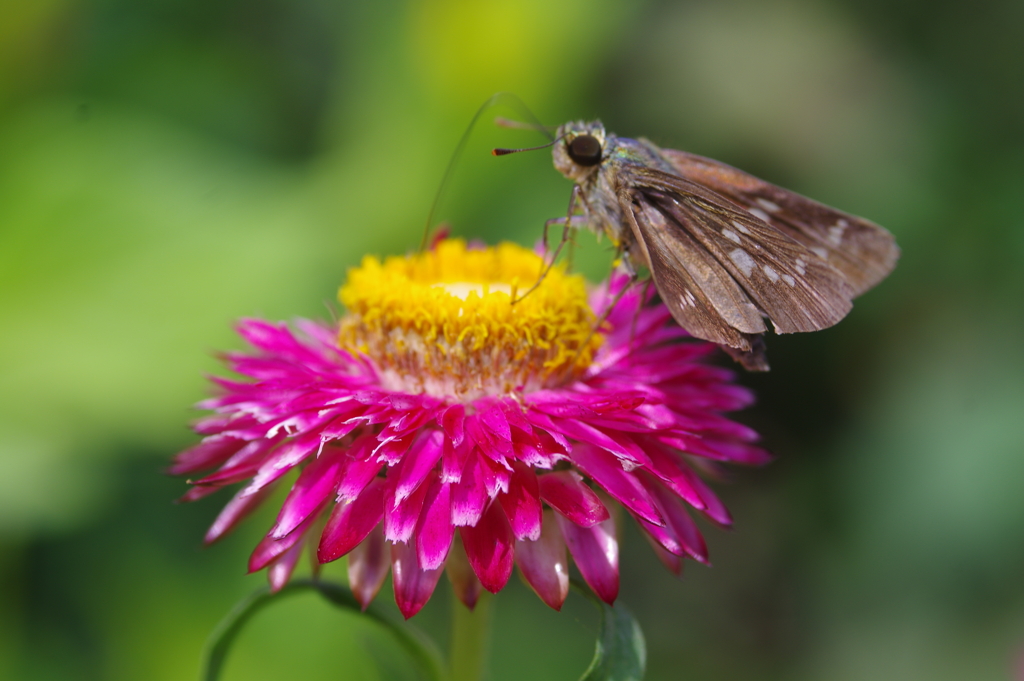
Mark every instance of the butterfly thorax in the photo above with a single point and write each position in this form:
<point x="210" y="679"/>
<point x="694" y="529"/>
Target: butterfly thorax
<point x="596" y="169"/>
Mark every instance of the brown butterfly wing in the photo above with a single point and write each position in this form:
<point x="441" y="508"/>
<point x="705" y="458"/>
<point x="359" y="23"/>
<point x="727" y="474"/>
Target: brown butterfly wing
<point x="780" y="276"/>
<point x="701" y="294"/>
<point x="859" y="249"/>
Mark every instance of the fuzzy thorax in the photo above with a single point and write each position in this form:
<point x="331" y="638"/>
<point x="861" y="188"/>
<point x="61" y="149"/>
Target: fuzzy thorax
<point x="442" y="322"/>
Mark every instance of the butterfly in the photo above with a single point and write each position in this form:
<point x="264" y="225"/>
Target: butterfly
<point x="726" y="250"/>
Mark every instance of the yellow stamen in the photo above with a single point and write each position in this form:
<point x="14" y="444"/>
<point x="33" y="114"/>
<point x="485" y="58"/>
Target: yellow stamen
<point x="442" y="322"/>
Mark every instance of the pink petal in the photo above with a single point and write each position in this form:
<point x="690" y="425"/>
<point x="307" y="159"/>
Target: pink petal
<point x="400" y="517"/>
<point x="218" y="423"/>
<point x="452" y="422"/>
<point x="486" y="440"/>
<point x="516" y="416"/>
<point x="408" y="423"/>
<point x="361" y="468"/>
<point x="453" y="459"/>
<point x="528" y="449"/>
<point x="682" y="524"/>
<point x="495" y="475"/>
<point x="469" y="496"/>
<point x="544" y="563"/>
<point x="197" y="493"/>
<point x="522" y="503"/>
<point x="671" y="561"/>
<point x="242" y="464"/>
<point x="551" y="442"/>
<point x="701" y="420"/>
<point x="283" y="459"/>
<point x="607" y="472"/>
<point x="316" y="482"/>
<point x="392" y="450"/>
<point x="460" y="573"/>
<point x="495" y="421"/>
<point x="434" y="531"/>
<point x="710" y="505"/>
<point x="234" y="512"/>
<point x="727" y="449"/>
<point x="210" y="452"/>
<point x="664" y="535"/>
<point x="417" y="462"/>
<point x="596" y="553"/>
<point x="490" y="547"/>
<point x="619" y="444"/>
<point x="281" y="569"/>
<point x="566" y="492"/>
<point x="719" y="449"/>
<point x="351" y="522"/>
<point x="553" y="448"/>
<point x="577" y="405"/>
<point x="270" y="548"/>
<point x="673" y="473"/>
<point x="342" y="426"/>
<point x="413" y="585"/>
<point x="368" y="566"/>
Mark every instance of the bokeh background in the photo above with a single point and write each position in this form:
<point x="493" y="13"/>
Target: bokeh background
<point x="167" y="166"/>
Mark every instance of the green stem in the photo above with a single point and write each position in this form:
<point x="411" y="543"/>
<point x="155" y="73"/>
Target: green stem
<point x="471" y="636"/>
<point x="418" y="646"/>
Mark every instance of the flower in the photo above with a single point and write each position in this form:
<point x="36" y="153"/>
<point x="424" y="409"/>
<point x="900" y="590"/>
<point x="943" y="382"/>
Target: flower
<point x="440" y="427"/>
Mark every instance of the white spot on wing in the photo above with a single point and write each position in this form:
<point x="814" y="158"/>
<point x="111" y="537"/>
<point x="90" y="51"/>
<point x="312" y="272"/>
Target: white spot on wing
<point x="820" y="252"/>
<point x="743" y="261"/>
<point x="731" y="235"/>
<point x="687" y="300"/>
<point x="788" y="279"/>
<point x="801" y="267"/>
<point x="759" y="214"/>
<point x="740" y="226"/>
<point x="768" y="205"/>
<point x="835" y="232"/>
<point x="770" y="272"/>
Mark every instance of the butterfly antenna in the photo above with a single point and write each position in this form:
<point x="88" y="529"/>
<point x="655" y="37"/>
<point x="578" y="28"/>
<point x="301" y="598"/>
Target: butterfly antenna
<point x="501" y="98"/>
<point x="504" y="152"/>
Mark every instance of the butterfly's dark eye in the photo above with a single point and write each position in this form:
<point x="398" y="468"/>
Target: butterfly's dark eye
<point x="585" y="150"/>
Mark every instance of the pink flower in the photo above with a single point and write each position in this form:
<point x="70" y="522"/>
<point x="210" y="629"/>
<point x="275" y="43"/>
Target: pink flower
<point x="449" y="429"/>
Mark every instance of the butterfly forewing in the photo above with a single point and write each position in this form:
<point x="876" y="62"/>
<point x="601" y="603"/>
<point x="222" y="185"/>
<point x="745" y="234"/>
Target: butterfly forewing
<point x="796" y="290"/>
<point x="860" y="250"/>
<point x="702" y="296"/>
<point x="693" y="284"/>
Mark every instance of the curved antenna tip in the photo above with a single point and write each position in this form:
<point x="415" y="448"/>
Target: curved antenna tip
<point x="502" y="152"/>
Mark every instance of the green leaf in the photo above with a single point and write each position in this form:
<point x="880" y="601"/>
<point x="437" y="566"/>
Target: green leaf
<point x="416" y="644"/>
<point x="620" y="653"/>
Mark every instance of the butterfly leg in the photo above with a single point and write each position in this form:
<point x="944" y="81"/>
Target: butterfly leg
<point x="567" y="223"/>
<point x="644" y="297"/>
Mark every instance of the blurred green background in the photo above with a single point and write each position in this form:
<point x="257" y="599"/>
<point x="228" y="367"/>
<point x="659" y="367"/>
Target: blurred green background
<point x="167" y="166"/>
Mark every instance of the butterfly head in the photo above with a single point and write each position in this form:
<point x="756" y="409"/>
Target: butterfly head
<point x="579" y="150"/>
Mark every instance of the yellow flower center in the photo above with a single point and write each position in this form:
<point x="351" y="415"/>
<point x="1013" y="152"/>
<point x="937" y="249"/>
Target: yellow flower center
<point x="443" y="323"/>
